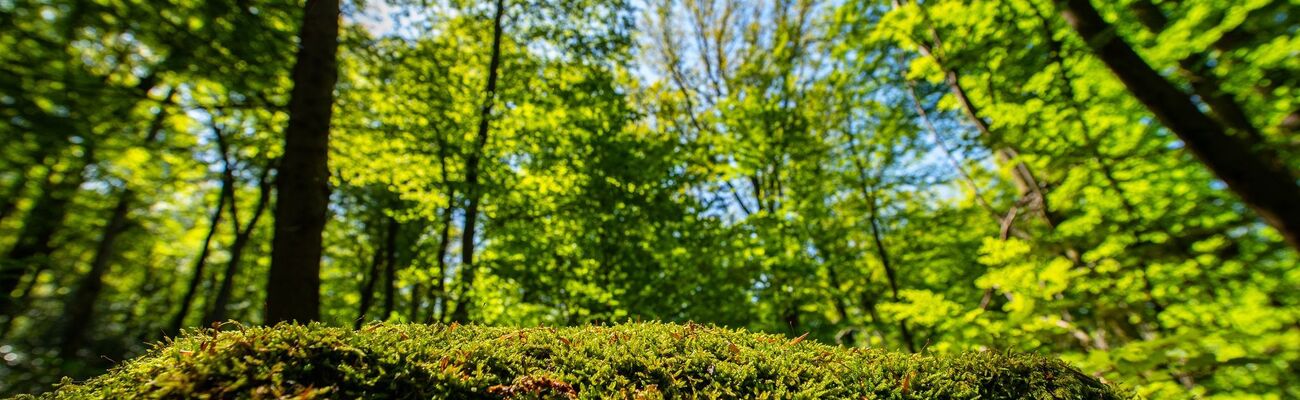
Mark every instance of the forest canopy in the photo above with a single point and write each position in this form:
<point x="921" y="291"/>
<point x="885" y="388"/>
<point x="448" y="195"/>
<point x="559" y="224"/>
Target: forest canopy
<point x="1110" y="183"/>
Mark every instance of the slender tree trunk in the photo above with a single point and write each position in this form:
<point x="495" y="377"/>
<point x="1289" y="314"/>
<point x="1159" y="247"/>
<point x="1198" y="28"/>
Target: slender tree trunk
<point x="368" y="287"/>
<point x="847" y="337"/>
<point x="417" y="299"/>
<point x="217" y="312"/>
<point x="472" y="189"/>
<point x="878" y="237"/>
<point x="293" y="284"/>
<point x="415" y="302"/>
<point x="80" y="309"/>
<point x="1263" y="183"/>
<point x="201" y="261"/>
<point x="439" y="296"/>
<point x="890" y="274"/>
<point x="390" y="267"/>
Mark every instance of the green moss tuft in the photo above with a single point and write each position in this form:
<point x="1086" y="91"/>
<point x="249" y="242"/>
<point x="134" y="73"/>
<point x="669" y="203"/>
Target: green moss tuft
<point x="644" y="360"/>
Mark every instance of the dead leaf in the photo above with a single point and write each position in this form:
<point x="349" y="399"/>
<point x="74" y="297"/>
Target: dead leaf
<point x="799" y="339"/>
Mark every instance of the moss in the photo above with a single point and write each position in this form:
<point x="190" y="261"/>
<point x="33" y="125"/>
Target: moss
<point x="643" y="360"/>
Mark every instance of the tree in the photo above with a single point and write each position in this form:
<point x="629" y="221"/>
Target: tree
<point x="938" y="176"/>
<point x="1262" y="181"/>
<point x="473" y="190"/>
<point x="302" y="182"/>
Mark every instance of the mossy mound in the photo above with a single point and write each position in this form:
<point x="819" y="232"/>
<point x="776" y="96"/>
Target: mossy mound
<point x="643" y="360"/>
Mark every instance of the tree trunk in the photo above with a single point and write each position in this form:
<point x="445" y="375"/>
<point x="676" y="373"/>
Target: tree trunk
<point x="80" y="309"/>
<point x="877" y="236"/>
<point x="390" y="268"/>
<point x="417" y="298"/>
<point x="1200" y="75"/>
<point x="1263" y="183"/>
<point x="217" y="312"/>
<point x="201" y="261"/>
<point x="883" y="253"/>
<point x="368" y="287"/>
<point x="438" y="297"/>
<point x="293" y="284"/>
<point x="461" y="313"/>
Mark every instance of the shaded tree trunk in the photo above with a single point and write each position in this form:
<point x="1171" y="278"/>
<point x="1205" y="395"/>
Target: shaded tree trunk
<point x="417" y="298"/>
<point x="372" y="277"/>
<point x="438" y="297"/>
<point x="80" y="309"/>
<point x="890" y="274"/>
<point x="1262" y="183"/>
<point x="877" y="237"/>
<point x="438" y="290"/>
<point x="472" y="189"/>
<point x="390" y="267"/>
<point x="293" y="284"/>
<point x="217" y="312"/>
<point x="201" y="261"/>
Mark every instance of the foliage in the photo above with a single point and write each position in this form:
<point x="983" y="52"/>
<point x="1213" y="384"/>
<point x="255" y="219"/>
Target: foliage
<point x="942" y="176"/>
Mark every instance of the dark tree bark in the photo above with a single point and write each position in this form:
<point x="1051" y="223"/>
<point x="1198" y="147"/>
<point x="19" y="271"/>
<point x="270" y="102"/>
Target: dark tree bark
<point x="1149" y="14"/>
<point x="1262" y="183"/>
<point x="302" y="184"/>
<point x="472" y="189"/>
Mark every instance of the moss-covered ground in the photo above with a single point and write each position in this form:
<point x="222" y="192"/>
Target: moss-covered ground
<point x="642" y="360"/>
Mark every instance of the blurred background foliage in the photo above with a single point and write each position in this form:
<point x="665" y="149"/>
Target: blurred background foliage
<point x="936" y="176"/>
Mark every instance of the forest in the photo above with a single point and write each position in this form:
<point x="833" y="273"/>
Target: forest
<point x="1111" y="183"/>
